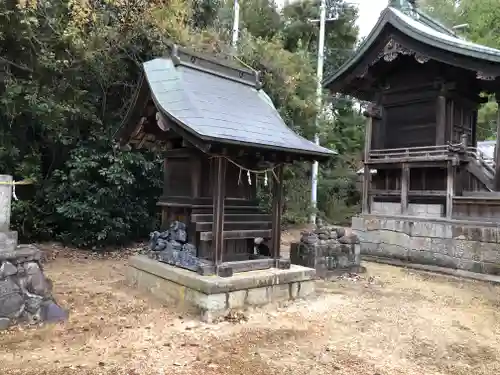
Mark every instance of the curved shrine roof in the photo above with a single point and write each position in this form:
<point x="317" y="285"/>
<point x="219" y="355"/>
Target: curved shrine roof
<point x="418" y="28"/>
<point x="217" y="102"/>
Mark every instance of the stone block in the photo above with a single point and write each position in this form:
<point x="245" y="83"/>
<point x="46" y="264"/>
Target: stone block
<point x="294" y="290"/>
<point x="7" y="269"/>
<point x="210" y="302"/>
<point x="357" y="254"/>
<point x="470" y="265"/>
<point x="421" y="243"/>
<point x="378" y="208"/>
<point x="443" y="260"/>
<point x="369" y="248"/>
<point x="490" y="253"/>
<point x="394" y="251"/>
<point x="11" y="299"/>
<point x="358" y="223"/>
<point x="4" y="323"/>
<point x="490" y="268"/>
<point x="280" y="292"/>
<point x="442" y="246"/>
<point x="421" y="257"/>
<point x="5" y="202"/>
<point x="306" y="289"/>
<point x="372" y="224"/>
<point x="490" y="235"/>
<point x="421" y="229"/>
<point x="237" y="299"/>
<point x="258" y="296"/>
<point x="8" y="241"/>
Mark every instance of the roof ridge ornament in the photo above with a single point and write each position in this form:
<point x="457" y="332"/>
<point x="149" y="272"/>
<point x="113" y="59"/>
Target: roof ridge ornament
<point x="181" y="56"/>
<point x="174" y="55"/>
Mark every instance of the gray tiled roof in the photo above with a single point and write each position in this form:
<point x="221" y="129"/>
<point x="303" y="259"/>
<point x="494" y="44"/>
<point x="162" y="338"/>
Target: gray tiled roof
<point x="215" y="107"/>
<point x="448" y="42"/>
<point x="419" y="29"/>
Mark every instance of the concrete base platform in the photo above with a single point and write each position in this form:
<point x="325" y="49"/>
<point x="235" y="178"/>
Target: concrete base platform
<point x="214" y="296"/>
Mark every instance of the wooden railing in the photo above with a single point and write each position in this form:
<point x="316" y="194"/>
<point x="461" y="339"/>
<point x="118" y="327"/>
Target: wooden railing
<point x="441" y="152"/>
<point x="482" y="160"/>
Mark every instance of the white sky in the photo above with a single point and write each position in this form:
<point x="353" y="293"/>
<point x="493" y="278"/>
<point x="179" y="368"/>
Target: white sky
<point x="369" y="12"/>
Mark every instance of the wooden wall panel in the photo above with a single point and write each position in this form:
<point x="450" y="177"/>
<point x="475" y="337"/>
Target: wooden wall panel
<point x="410" y="125"/>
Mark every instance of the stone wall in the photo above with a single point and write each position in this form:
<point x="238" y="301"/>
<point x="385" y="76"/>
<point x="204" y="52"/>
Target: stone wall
<point x="452" y="244"/>
<point x="25" y="293"/>
<point x="414" y="209"/>
<point x="329" y="250"/>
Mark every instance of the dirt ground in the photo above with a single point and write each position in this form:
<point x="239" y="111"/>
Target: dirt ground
<point x="385" y="322"/>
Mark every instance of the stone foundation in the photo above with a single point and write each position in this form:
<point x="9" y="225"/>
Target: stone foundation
<point x="455" y="244"/>
<point x="25" y="292"/>
<point x="328" y="250"/>
<point x="414" y="209"/>
<point x="213" y="296"/>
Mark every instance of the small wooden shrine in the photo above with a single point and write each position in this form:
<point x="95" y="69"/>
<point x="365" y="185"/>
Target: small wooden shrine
<point x="219" y="133"/>
<point x="425" y="85"/>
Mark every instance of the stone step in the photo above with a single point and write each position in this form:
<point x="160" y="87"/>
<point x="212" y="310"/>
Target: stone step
<point x="229" y="216"/>
<point x="234" y="225"/>
<point x="238" y="234"/>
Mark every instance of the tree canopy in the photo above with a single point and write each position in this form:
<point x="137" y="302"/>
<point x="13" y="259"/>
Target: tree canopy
<point x="70" y="68"/>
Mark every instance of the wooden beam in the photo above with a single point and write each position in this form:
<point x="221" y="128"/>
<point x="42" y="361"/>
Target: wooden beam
<point x="450" y="188"/>
<point x="219" y="193"/>
<point x="411" y="193"/>
<point x="496" y="184"/>
<point x="276" y="214"/>
<point x="405" y="187"/>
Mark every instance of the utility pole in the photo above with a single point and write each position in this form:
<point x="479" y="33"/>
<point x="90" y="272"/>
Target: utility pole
<point x="319" y="91"/>
<point x="236" y="24"/>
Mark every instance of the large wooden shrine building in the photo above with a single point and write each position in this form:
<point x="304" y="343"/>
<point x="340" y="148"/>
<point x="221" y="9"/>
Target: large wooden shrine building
<point x="221" y="136"/>
<point x="425" y="85"/>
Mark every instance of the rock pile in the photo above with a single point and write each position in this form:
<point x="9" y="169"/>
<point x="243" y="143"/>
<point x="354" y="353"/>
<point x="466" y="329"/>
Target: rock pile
<point x="172" y="247"/>
<point x="328" y="249"/>
<point x="25" y="292"/>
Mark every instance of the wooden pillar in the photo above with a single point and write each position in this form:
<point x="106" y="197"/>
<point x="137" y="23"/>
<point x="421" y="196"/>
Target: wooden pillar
<point x="464" y="140"/>
<point x="195" y="176"/>
<point x="165" y="177"/>
<point x="164" y="209"/>
<point x="497" y="153"/>
<point x="450" y="188"/>
<point x="366" y="172"/>
<point x="441" y="120"/>
<point x="219" y="193"/>
<point x="405" y="187"/>
<point x="276" y="213"/>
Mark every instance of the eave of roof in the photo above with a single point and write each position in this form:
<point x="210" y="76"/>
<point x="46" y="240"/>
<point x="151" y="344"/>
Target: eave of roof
<point x="218" y="103"/>
<point x="420" y="32"/>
